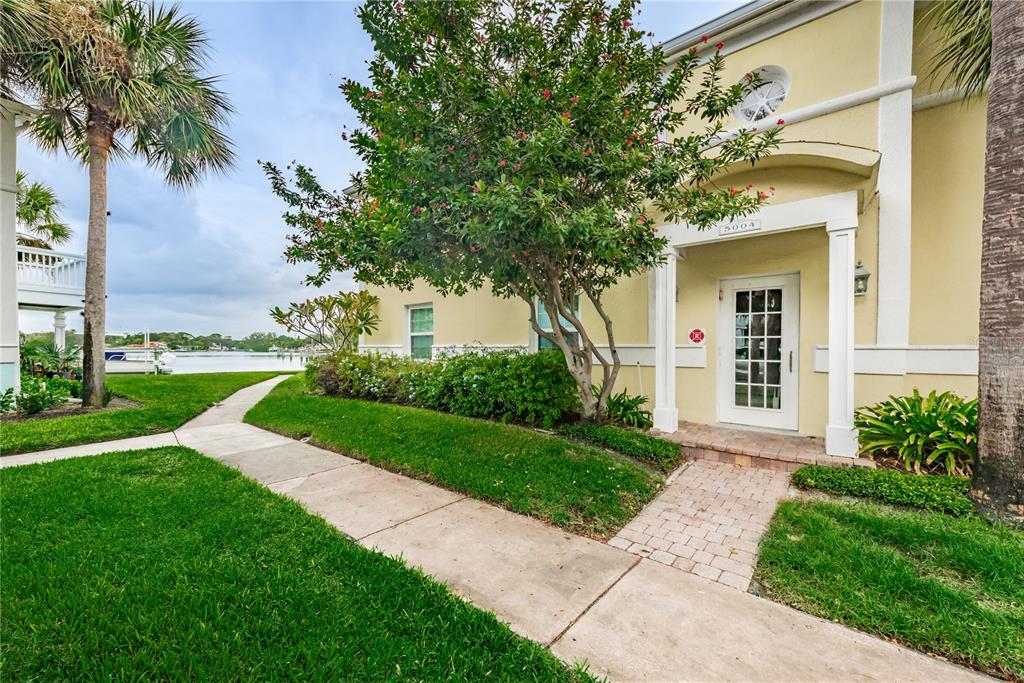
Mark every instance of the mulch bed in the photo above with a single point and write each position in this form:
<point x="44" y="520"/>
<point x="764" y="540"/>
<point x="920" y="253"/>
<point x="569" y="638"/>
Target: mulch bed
<point x="71" y="408"/>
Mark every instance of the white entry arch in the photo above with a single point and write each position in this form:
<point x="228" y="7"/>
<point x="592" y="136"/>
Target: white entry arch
<point x="838" y="215"/>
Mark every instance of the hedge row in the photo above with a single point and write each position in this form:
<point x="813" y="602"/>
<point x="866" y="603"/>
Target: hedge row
<point x="660" y="453"/>
<point x="939" y="493"/>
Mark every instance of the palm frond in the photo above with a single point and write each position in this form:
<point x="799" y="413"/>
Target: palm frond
<point x="38" y="211"/>
<point x="963" y="60"/>
<point x="134" y="65"/>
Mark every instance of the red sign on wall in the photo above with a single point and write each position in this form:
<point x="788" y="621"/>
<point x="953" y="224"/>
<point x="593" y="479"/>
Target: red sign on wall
<point x="696" y="335"/>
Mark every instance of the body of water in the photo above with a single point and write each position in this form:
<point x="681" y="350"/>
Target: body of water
<point x="192" y="362"/>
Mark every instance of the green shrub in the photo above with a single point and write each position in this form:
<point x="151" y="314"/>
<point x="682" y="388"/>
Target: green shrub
<point x="662" y="454"/>
<point x="38" y="394"/>
<point x="72" y="386"/>
<point x="936" y="492"/>
<point x="628" y="410"/>
<point x="510" y="386"/>
<point x="937" y="430"/>
<point x="8" y="402"/>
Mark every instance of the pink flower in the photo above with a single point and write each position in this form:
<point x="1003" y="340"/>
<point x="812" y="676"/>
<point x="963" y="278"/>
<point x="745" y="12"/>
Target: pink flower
<point x="781" y="122"/>
<point x="704" y="38"/>
<point x="503" y="163"/>
<point x="719" y="45"/>
<point x="547" y="94"/>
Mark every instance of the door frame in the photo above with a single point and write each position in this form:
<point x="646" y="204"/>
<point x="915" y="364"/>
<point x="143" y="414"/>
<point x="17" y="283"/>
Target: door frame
<point x="788" y="417"/>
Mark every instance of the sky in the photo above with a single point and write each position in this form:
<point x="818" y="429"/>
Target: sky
<point x="209" y="259"/>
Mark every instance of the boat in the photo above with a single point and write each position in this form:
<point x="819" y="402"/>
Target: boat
<point x="138" y="360"/>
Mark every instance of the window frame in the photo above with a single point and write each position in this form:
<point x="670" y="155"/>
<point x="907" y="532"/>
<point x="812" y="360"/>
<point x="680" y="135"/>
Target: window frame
<point x="535" y="339"/>
<point x="409" y="334"/>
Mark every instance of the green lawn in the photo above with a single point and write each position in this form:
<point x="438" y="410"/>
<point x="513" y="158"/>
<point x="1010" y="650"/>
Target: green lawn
<point x="164" y="564"/>
<point x="572" y="486"/>
<point x="945" y="585"/>
<point x="168" y="402"/>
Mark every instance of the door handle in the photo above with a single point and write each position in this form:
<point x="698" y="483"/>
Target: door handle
<point x="791" y="361"/>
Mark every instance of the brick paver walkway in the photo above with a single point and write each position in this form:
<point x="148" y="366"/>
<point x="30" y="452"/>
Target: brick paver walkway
<point x="708" y="521"/>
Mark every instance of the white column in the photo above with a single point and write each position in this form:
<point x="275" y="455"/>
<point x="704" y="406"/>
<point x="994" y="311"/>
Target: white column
<point x="895" y="116"/>
<point x="9" y="362"/>
<point x="59" y="322"/>
<point x="666" y="416"/>
<point x="840" y="436"/>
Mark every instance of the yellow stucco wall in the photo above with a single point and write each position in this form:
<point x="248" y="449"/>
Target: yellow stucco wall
<point x="948" y="194"/>
<point x="831" y="56"/>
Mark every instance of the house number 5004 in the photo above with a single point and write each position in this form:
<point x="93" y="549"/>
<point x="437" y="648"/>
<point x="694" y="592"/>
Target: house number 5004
<point x="751" y="225"/>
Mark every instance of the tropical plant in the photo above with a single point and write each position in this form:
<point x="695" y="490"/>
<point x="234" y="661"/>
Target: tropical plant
<point x="57" y="359"/>
<point x="628" y="410"/>
<point x="335" y="322"/>
<point x="983" y="42"/>
<point x="38" y="394"/>
<point x="922" y="431"/>
<point x="38" y="212"/>
<point x="113" y="78"/>
<point x="524" y="146"/>
<point x="8" y="401"/>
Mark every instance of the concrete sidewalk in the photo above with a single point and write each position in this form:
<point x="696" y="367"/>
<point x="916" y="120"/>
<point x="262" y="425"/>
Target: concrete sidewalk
<point x="630" y="618"/>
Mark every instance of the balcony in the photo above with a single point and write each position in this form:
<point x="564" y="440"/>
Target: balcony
<point x="50" y="280"/>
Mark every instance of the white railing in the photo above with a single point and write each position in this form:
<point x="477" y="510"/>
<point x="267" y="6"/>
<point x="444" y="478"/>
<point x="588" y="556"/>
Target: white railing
<point x="50" y="270"/>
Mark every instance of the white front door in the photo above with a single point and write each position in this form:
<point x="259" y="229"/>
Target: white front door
<point x="758" y="351"/>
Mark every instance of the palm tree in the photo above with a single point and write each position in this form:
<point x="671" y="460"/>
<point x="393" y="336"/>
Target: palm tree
<point x="113" y="78"/>
<point x="38" y="212"/>
<point x="983" y="42"/>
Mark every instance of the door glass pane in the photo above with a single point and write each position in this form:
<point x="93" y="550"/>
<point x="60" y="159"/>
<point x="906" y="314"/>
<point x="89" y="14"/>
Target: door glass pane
<point x="757" y="348"/>
<point x="742" y="372"/>
<point x="421" y="320"/>
<point x="742" y="348"/>
<point x="756" y="396"/>
<point x="757" y="375"/>
<point x="421" y="344"/>
<point x="757" y="301"/>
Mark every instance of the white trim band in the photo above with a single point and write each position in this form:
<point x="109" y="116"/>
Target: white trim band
<point x="872" y="359"/>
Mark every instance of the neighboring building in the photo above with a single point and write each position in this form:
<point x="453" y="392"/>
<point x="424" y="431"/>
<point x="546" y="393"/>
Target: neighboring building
<point x="878" y="167"/>
<point x="30" y="278"/>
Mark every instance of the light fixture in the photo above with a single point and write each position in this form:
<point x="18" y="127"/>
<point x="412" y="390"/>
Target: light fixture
<point x="860" y="279"/>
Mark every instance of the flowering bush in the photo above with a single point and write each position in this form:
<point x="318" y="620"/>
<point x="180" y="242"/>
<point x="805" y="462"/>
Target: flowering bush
<point x="510" y="386"/>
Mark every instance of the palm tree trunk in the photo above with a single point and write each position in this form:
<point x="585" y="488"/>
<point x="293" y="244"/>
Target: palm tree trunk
<point x="94" y="385"/>
<point x="998" y="485"/>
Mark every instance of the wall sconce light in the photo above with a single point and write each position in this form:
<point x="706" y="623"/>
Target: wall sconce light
<point x="860" y="279"/>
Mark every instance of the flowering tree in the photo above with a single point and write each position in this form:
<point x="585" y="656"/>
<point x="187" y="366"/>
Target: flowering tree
<point x="334" y="323"/>
<point x="523" y="144"/>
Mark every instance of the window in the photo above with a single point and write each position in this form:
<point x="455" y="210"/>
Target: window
<point x="766" y="97"/>
<point x="545" y="324"/>
<point x="421" y="331"/>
